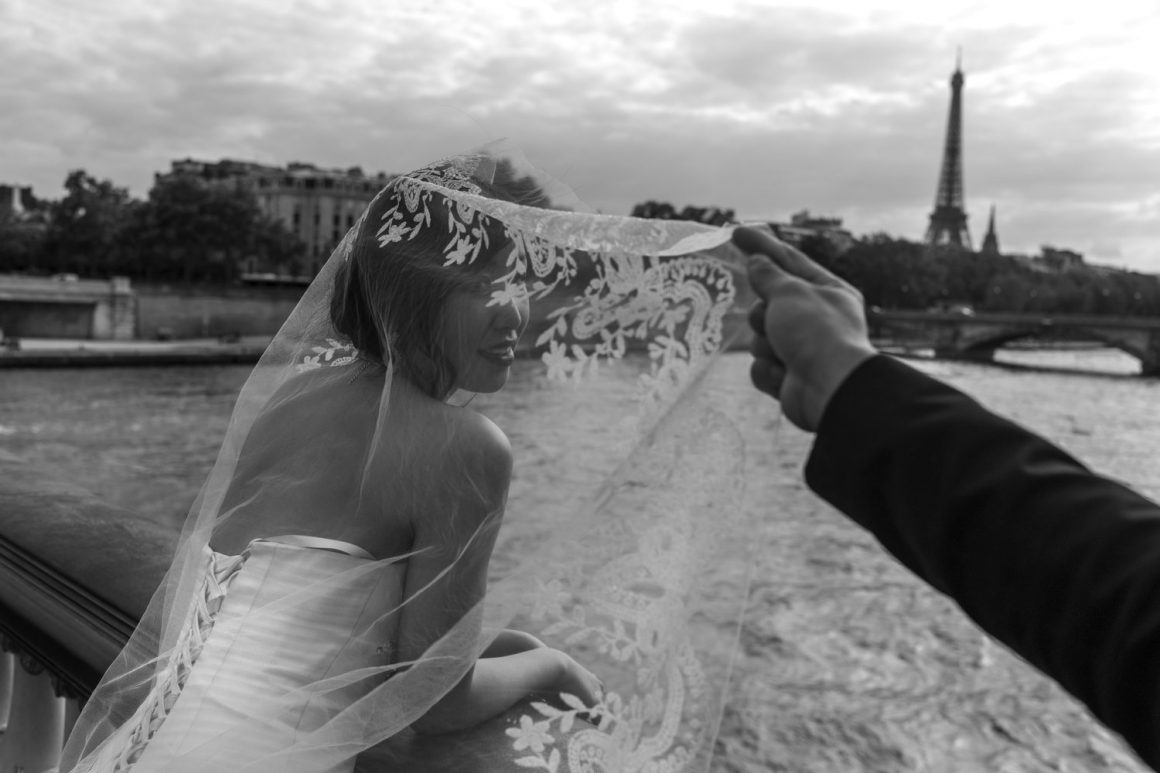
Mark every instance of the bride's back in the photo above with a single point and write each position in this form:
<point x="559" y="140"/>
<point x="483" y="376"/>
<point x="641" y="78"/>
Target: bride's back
<point x="321" y="461"/>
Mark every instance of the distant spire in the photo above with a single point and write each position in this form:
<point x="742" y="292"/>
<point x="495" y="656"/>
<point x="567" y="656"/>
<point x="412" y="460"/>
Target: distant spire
<point x="991" y="240"/>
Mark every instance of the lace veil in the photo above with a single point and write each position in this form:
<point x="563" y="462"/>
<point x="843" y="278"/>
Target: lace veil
<point x="322" y="443"/>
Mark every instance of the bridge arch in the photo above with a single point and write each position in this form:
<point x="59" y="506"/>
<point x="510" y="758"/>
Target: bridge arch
<point x="977" y="336"/>
<point x="998" y="341"/>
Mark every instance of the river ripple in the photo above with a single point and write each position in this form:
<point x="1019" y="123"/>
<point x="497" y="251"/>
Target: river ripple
<point x="846" y="663"/>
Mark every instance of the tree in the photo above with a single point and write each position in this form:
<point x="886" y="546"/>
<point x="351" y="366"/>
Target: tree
<point x="276" y="245"/>
<point x="662" y="210"/>
<point x="895" y="273"/>
<point x="21" y="245"/>
<point x="820" y="250"/>
<point x="892" y="273"/>
<point x="22" y="235"/>
<point x="85" y="232"/>
<point x="191" y="230"/>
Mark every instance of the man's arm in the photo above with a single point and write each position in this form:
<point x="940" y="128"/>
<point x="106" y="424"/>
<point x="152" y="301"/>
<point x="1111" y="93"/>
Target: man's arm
<point x="1061" y="565"/>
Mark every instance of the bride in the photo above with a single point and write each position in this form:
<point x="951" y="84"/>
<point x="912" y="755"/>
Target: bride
<point x="330" y="596"/>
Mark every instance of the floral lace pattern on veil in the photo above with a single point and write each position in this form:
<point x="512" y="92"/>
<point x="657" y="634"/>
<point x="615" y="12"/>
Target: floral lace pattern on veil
<point x="625" y="594"/>
<point x="620" y="590"/>
<point x="623" y="590"/>
<point x="676" y="304"/>
<point x="615" y="583"/>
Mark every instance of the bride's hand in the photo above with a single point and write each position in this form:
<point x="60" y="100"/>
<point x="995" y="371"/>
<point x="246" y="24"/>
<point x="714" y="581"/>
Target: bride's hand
<point x="577" y="680"/>
<point x="574" y="679"/>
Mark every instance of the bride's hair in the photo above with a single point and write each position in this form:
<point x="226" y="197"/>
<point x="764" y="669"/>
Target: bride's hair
<point x="388" y="299"/>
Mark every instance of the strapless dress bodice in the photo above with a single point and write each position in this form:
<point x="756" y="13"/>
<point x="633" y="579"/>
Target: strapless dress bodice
<point x="266" y="655"/>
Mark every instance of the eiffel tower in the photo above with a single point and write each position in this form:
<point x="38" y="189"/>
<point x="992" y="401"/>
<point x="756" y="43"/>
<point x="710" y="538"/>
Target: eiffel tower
<point x="948" y="221"/>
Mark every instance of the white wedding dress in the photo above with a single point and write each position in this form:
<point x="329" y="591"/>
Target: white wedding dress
<point x="244" y="652"/>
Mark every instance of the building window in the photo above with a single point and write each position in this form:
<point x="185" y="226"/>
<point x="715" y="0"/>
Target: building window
<point x="317" y="217"/>
<point x="350" y="221"/>
<point x="335" y="235"/>
<point x="297" y="217"/>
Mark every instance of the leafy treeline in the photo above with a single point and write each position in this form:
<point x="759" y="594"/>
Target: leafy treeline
<point x="189" y="231"/>
<point x="895" y="273"/>
<point x="898" y="274"/>
<point x="186" y="230"/>
<point x="662" y="210"/>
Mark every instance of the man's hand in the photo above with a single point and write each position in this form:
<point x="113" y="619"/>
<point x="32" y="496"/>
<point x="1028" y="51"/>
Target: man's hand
<point x="810" y="328"/>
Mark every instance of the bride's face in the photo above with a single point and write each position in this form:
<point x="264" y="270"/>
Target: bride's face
<point x="478" y="334"/>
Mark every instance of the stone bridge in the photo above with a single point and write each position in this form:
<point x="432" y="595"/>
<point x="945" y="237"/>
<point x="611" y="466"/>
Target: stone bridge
<point x="976" y="336"/>
<point x="44" y="307"/>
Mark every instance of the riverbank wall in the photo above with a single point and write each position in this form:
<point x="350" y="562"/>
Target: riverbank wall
<point x="175" y="312"/>
<point x="65" y="306"/>
<point x="228" y="325"/>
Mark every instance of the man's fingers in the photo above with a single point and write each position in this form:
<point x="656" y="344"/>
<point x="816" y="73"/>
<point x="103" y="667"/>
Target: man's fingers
<point x="760" y="348"/>
<point x="768" y="376"/>
<point x="753" y="240"/>
<point x="757" y="317"/>
<point x="765" y="276"/>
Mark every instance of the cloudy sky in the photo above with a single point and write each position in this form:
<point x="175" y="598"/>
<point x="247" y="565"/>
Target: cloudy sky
<point x="838" y="106"/>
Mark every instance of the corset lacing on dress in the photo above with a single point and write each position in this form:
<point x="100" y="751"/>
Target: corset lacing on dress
<point x="149" y="717"/>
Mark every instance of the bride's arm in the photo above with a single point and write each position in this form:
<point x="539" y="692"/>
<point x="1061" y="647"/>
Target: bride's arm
<point x="447" y="577"/>
<point x="511" y="642"/>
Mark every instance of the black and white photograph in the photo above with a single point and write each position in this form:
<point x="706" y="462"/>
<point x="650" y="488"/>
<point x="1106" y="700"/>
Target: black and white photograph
<point x="604" y="387"/>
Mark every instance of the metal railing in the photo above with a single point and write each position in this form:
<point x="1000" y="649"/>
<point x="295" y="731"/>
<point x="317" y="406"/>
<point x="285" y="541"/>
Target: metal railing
<point x="75" y="575"/>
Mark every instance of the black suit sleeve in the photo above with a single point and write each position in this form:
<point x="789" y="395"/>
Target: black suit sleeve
<point x="1061" y="565"/>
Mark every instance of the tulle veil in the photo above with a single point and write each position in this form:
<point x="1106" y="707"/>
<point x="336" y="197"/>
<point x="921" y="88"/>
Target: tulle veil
<point x="611" y="577"/>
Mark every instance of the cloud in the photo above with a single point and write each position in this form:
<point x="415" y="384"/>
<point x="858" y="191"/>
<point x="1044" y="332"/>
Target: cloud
<point x="766" y="108"/>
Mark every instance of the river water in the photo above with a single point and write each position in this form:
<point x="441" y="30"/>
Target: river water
<point x="845" y="662"/>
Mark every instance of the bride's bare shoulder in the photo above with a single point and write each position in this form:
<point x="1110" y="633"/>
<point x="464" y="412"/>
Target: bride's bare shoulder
<point x="452" y="456"/>
<point x="456" y="437"/>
